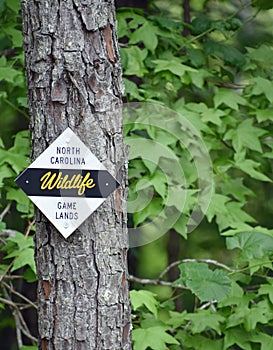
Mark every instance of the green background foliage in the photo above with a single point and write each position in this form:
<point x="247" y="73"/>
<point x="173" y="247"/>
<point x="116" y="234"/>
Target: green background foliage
<point x="213" y="288"/>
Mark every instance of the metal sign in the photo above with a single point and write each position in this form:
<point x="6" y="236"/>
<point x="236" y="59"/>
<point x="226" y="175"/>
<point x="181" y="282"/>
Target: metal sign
<point x="67" y="182"/>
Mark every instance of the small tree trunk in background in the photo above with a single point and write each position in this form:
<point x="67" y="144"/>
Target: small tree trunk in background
<point x="74" y="80"/>
<point x="186" y="16"/>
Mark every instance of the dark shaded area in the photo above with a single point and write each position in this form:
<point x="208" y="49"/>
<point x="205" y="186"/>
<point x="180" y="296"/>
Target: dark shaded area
<point x="132" y="3"/>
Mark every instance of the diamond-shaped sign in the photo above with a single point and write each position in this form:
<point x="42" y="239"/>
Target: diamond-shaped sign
<point x="67" y="182"/>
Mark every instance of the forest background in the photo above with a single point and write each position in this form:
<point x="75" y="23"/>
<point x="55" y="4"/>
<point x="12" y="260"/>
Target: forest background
<point x="206" y="66"/>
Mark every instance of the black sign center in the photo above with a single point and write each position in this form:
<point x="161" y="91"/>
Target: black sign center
<point x="67" y="183"/>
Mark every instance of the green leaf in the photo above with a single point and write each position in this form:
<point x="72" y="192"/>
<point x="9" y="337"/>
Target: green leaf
<point x="236" y="188"/>
<point x="144" y="298"/>
<point x="264" y="339"/>
<point x="21" y="241"/>
<point x="250" y="317"/>
<point x="259" y="313"/>
<point x="207" y="114"/>
<point x="177" y="319"/>
<point x="28" y="347"/>
<point x="159" y="181"/>
<point x="24" y="257"/>
<point x="204" y="320"/>
<point x="6" y="172"/>
<point x="233" y="216"/>
<point x="262" y="54"/>
<point x="197" y="57"/>
<point x="252" y="244"/>
<point x="267" y="289"/>
<point x="264" y="114"/>
<point x="174" y="66"/>
<point x="217" y="206"/>
<point x="9" y="74"/>
<point x="237" y="336"/>
<point x="250" y="167"/>
<point x="147" y="34"/>
<point x="246" y="136"/>
<point x="135" y="65"/>
<point x="228" y="54"/>
<point x="132" y="89"/>
<point x="15" y="34"/>
<point x="30" y="275"/>
<point x="135" y="20"/>
<point x="182" y="199"/>
<point x="201" y="24"/>
<point x="154" y="338"/>
<point x="152" y="210"/>
<point x="21" y="199"/>
<point x="16" y="156"/>
<point x="230" y="98"/>
<point x="181" y="226"/>
<point x="263" y="86"/>
<point x="199" y="342"/>
<point x="22" y="101"/>
<point x="15" y="6"/>
<point x="24" y="254"/>
<point x="205" y="283"/>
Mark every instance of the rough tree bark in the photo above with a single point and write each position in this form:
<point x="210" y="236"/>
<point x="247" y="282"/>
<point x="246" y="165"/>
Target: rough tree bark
<point x="74" y="79"/>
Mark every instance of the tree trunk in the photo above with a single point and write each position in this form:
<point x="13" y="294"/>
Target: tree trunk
<point x="74" y="80"/>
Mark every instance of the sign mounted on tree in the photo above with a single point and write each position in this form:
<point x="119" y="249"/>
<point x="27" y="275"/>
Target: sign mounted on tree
<point x="67" y="182"/>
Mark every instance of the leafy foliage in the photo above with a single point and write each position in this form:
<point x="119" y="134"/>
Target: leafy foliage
<point x="16" y="248"/>
<point x="224" y="89"/>
<point x="206" y="284"/>
<point x="219" y="89"/>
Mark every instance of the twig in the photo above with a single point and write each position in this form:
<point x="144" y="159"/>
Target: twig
<point x="18" y="329"/>
<point x="13" y="277"/>
<point x="5" y="211"/>
<point x="16" y="318"/>
<point x="156" y="282"/>
<point x="16" y="108"/>
<point x="24" y="328"/>
<point x="7" y="302"/>
<point x="31" y="337"/>
<point x="19" y="295"/>
<point x="29" y="226"/>
<point x="21" y="325"/>
<point x="208" y="304"/>
<point x="208" y="261"/>
<point x="6" y="271"/>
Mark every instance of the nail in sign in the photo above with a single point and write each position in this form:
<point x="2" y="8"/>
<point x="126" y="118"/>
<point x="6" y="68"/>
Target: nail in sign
<point x="67" y="182"/>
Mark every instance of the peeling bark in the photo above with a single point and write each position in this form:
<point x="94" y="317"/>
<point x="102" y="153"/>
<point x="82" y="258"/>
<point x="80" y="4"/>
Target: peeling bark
<point x="74" y="79"/>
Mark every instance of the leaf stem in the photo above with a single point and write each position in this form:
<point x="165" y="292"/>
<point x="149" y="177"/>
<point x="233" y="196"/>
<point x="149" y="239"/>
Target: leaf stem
<point x="16" y="108"/>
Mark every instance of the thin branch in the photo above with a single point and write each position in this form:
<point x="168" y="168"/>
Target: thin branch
<point x="13" y="277"/>
<point x="19" y="295"/>
<point x="6" y="271"/>
<point x="156" y="282"/>
<point x="29" y="226"/>
<point x="20" y="323"/>
<point x="208" y="304"/>
<point x="24" y="328"/>
<point x="16" y="318"/>
<point x="5" y="211"/>
<point x="16" y="108"/>
<point x="7" y="302"/>
<point x="28" y="335"/>
<point x="208" y="261"/>
<point x="18" y="329"/>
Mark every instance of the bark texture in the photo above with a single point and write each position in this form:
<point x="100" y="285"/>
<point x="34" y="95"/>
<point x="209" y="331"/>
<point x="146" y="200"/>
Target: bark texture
<point x="74" y="79"/>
